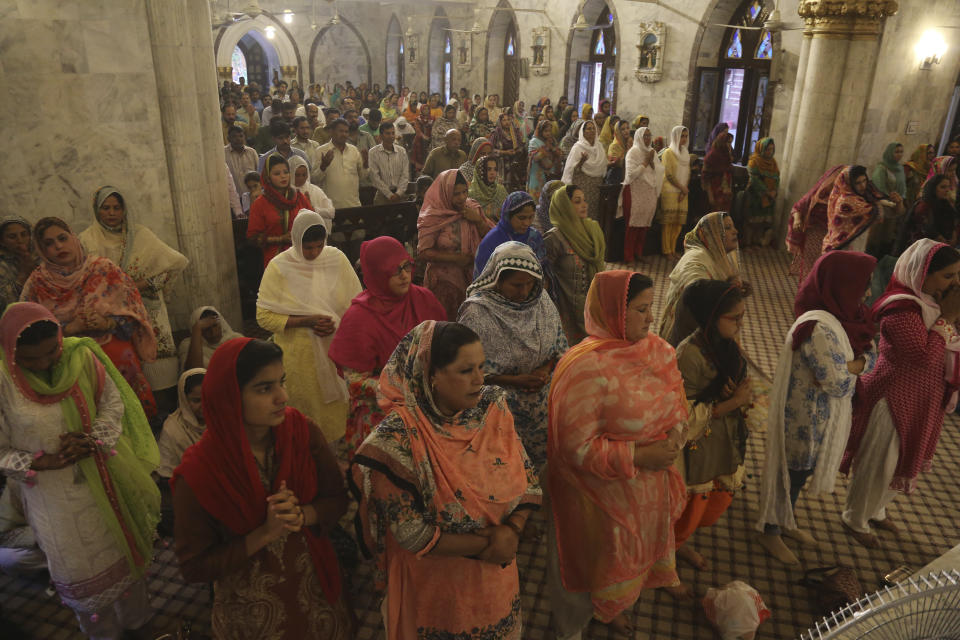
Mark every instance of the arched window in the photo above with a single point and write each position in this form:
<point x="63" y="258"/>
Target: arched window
<point x="447" y="69"/>
<point x="597" y="79"/>
<point x="511" y="67"/>
<point x="239" y="63"/>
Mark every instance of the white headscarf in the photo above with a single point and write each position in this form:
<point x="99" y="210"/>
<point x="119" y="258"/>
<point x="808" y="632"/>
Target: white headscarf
<point x="226" y="333"/>
<point x="682" y="152"/>
<point x="318" y="199"/>
<point x="322" y="286"/>
<point x="181" y="430"/>
<point x="635" y="159"/>
<point x="596" y="163"/>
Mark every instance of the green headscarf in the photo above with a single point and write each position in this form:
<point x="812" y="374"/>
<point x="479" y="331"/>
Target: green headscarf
<point x="136" y="450"/>
<point x="583" y="234"/>
<point x="888" y="166"/>
<point x="490" y="196"/>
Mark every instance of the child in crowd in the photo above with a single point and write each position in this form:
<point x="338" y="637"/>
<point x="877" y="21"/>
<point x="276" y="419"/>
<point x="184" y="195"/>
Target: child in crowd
<point x="252" y="182"/>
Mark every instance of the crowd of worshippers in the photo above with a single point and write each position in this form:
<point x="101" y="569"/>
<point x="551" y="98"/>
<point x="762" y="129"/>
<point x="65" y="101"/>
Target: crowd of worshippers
<point x="522" y="370"/>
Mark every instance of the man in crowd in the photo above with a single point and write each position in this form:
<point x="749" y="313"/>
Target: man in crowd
<point x="240" y="158"/>
<point x="322" y="134"/>
<point x="449" y="156"/>
<point x="280" y="132"/>
<point x="303" y="130"/>
<point x="341" y="167"/>
<point x="315" y="117"/>
<point x="372" y="125"/>
<point x="228" y="118"/>
<point x="389" y="167"/>
<point x="247" y="112"/>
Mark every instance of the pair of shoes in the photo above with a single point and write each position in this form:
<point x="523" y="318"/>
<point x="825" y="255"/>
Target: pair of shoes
<point x="868" y="540"/>
<point x="887" y="525"/>
<point x="774" y="545"/>
<point x="801" y="536"/>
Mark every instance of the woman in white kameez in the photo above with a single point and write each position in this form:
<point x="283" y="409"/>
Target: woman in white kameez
<point x="151" y="264"/>
<point x="642" y="182"/>
<point x="73" y="432"/>
<point x="304" y="293"/>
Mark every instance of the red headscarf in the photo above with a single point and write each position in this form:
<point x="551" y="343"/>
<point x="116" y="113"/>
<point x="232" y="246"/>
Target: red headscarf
<point x="292" y="200"/>
<point x="377" y="320"/>
<point x="836" y="284"/>
<point x="222" y="472"/>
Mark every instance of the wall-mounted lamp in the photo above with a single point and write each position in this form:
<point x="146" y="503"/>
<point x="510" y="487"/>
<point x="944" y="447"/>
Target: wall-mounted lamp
<point x="287" y="16"/>
<point x="930" y="49"/>
<point x="270" y="32"/>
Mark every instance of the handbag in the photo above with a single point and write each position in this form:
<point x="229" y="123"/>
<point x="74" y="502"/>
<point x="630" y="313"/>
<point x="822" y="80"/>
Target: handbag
<point x="835" y="587"/>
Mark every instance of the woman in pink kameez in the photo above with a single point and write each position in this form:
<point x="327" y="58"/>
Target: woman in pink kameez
<point x="449" y="231"/>
<point x="807" y="225"/>
<point x="617" y="418"/>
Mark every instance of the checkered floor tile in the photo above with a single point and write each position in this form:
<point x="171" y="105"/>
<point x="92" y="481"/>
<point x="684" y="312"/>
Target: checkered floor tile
<point x="928" y="518"/>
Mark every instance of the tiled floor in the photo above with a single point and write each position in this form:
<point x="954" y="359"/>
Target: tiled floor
<point x="929" y="520"/>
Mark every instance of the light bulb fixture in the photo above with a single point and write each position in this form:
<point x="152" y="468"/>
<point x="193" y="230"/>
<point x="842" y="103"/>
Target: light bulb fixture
<point x="270" y="32"/>
<point x="581" y="22"/>
<point x="288" y="16"/>
<point x="930" y="49"/>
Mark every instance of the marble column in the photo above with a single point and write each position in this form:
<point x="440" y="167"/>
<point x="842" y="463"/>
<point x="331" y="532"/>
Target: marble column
<point x="186" y="83"/>
<point x="834" y="79"/>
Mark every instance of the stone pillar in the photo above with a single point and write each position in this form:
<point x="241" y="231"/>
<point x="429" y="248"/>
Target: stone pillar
<point x="224" y="73"/>
<point x="182" y="48"/>
<point x="834" y="79"/>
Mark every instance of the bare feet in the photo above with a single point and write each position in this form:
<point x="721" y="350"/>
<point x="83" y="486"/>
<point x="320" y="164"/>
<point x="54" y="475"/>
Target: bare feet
<point x="682" y="592"/>
<point x="868" y="540"/>
<point x="622" y="625"/>
<point x="801" y="537"/>
<point x="775" y="547"/>
<point x="887" y="525"/>
<point x="691" y="557"/>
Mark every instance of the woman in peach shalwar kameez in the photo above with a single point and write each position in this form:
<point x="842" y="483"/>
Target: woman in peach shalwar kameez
<point x="427" y="481"/>
<point x="614" y="517"/>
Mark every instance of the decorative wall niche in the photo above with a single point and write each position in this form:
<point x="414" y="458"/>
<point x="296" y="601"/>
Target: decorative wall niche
<point x="463" y="50"/>
<point x="540" y="60"/>
<point x="411" y="45"/>
<point x="650" y="48"/>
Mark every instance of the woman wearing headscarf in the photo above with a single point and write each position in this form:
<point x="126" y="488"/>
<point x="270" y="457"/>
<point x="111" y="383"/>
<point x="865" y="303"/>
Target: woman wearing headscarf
<point x="829" y="345"/>
<point x="515" y="225"/>
<point x="208" y="330"/>
<point x="890" y="178"/>
<point x="92" y="297"/>
<point x="528" y="125"/>
<point x="931" y="216"/>
<point x="575" y="251"/>
<point x="423" y="126"/>
<point x="522" y="338"/>
<point x="253" y="500"/>
<point x="617" y="152"/>
<point x="508" y="149"/>
<point x="485" y="188"/>
<point x="718" y="393"/>
<point x="372" y="327"/>
<point x="585" y="167"/>
<point x="761" y="193"/>
<point x="272" y="214"/>
<point x="946" y="166"/>
<point x="490" y="104"/>
<point x="480" y="148"/>
<point x="718" y="173"/>
<point x="544" y="158"/>
<point x="18" y="258"/>
<point x="718" y="129"/>
<point x="541" y="220"/>
<point x="481" y="126"/>
<point x="547" y="113"/>
<point x="151" y="264"/>
<point x="183" y="428"/>
<point x="464" y="115"/>
<point x="388" y="108"/>
<point x="567" y="117"/>
<point x="642" y="182"/>
<point x="445" y="490"/>
<point x="899" y="407"/>
<point x="571" y="137"/>
<point x="853" y="208"/>
<point x="608" y="132"/>
<point x="711" y="252"/>
<point x="916" y="169"/>
<point x="74" y="434"/>
<point x="300" y="175"/>
<point x="303" y="295"/>
<point x="443" y="124"/>
<point x="673" y="197"/>
<point x="449" y="230"/>
<point x="807" y="225"/>
<point x="612" y="483"/>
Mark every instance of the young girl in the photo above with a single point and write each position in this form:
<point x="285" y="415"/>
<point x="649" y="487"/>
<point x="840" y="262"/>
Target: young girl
<point x="272" y="215"/>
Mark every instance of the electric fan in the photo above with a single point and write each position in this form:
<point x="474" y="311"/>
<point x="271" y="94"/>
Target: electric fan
<point x="918" y="608"/>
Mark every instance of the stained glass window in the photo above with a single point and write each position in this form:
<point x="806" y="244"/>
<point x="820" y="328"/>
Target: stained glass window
<point x="735" y="50"/>
<point x="755" y="9"/>
<point x="614" y="49"/>
<point x="511" y="49"/>
<point x="765" y="48"/>
<point x="239" y="64"/>
<point x="446" y="45"/>
<point x="601" y="48"/>
<point x="401" y="47"/>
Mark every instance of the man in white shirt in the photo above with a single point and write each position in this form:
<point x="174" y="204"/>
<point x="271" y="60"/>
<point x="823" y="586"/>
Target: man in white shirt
<point x="240" y="158"/>
<point x="303" y="131"/>
<point x="341" y="167"/>
<point x="280" y="132"/>
<point x="389" y="167"/>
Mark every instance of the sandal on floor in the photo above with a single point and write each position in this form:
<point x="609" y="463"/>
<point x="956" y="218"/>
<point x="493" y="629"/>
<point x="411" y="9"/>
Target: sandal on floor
<point x="801" y="537"/>
<point x="774" y="545"/>
<point x="887" y="525"/>
<point x="868" y="540"/>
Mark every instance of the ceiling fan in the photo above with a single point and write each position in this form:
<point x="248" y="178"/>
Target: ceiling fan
<point x="771" y="24"/>
<point x="226" y="17"/>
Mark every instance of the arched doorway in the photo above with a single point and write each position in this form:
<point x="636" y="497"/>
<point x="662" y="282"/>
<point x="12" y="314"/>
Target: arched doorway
<point x="339" y="53"/>
<point x="503" y="55"/>
<point x="592" y="56"/>
<point x="440" y="56"/>
<point x="276" y="47"/>
<point x="259" y="59"/>
<point x="737" y="90"/>
<point x="395" y="54"/>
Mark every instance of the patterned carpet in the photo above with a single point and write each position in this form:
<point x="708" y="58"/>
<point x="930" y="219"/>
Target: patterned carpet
<point x="928" y="519"/>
